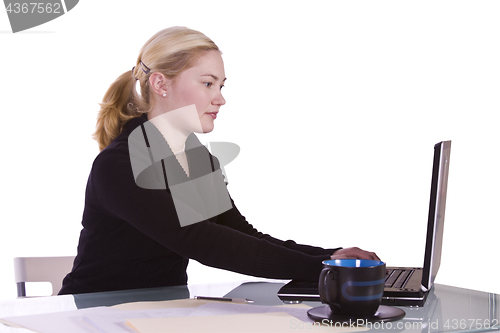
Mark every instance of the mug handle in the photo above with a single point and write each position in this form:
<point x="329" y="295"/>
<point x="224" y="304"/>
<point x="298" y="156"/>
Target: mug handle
<point x="323" y="295"/>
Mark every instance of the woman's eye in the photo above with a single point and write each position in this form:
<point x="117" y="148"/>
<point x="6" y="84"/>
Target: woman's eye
<point x="221" y="87"/>
<point x="208" y="84"/>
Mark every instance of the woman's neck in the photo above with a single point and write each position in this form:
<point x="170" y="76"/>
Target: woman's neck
<point x="167" y="124"/>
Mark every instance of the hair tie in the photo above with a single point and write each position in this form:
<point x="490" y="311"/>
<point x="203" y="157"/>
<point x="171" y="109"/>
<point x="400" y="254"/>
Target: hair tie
<point x="133" y="76"/>
<point x="146" y="70"/>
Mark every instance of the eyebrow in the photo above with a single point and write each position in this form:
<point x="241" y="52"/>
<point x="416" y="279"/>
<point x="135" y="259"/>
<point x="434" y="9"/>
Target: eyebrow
<point x="214" y="77"/>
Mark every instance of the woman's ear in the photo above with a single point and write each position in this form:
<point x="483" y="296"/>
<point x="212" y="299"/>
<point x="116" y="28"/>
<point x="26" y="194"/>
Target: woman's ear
<point x="158" y="84"/>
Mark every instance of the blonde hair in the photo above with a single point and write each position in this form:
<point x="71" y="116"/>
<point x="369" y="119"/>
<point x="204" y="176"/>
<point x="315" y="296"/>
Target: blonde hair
<point x="170" y="51"/>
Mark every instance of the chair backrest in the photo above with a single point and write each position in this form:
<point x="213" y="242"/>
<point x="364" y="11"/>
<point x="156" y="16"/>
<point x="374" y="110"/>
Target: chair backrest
<point x="41" y="269"/>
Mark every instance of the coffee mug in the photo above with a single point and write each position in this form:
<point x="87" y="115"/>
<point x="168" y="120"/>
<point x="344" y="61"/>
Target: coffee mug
<point x="352" y="287"/>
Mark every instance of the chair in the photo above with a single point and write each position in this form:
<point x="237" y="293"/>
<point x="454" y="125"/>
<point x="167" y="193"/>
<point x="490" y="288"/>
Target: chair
<point x="41" y="269"/>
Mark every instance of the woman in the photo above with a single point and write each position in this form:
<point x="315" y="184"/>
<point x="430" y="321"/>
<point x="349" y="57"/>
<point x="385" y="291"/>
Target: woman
<point x="145" y="212"/>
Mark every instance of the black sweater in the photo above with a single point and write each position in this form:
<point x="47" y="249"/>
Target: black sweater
<point x="132" y="238"/>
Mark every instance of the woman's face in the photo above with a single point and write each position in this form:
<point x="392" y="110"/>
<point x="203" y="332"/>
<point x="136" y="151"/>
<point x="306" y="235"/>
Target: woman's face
<point x="201" y="86"/>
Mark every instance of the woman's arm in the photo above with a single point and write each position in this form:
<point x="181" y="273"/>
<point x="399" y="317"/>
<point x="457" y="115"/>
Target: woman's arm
<point x="152" y="212"/>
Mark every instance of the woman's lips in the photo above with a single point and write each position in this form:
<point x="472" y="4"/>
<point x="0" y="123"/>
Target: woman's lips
<point x="213" y="114"/>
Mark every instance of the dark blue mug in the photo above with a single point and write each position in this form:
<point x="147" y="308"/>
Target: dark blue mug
<point x="352" y="287"/>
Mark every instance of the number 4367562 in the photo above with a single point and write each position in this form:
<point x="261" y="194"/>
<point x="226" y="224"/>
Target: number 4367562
<point x="34" y="7"/>
<point x="462" y="324"/>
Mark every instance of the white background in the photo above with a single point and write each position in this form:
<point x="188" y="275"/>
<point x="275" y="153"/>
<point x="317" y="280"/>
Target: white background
<point x="336" y="106"/>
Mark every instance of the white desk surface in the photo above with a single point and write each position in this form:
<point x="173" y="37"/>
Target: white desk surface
<point x="448" y="309"/>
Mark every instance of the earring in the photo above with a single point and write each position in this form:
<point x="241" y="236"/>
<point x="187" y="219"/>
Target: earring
<point x="164" y="95"/>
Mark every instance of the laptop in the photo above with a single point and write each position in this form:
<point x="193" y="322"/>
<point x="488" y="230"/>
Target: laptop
<point x="404" y="286"/>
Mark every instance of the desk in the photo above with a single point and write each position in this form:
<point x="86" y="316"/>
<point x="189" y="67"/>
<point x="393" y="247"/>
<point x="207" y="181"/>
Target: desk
<point x="448" y="309"/>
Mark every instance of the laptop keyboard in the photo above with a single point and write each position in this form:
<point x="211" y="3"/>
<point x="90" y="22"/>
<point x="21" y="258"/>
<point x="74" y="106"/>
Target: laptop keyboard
<point x="397" y="278"/>
<point x="394" y="278"/>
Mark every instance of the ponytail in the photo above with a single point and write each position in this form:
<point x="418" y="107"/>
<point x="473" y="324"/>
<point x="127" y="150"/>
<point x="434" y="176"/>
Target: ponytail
<point x="116" y="109"/>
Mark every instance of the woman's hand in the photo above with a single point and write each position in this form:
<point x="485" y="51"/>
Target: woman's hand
<point x="354" y="253"/>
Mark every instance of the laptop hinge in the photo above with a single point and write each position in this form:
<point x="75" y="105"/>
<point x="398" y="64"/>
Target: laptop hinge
<point x="424" y="289"/>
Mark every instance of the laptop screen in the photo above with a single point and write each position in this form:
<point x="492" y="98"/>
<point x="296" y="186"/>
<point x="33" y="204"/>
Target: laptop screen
<point x="437" y="206"/>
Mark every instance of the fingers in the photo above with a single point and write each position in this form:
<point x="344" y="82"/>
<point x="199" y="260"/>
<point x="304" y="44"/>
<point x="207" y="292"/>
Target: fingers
<point x="340" y="256"/>
<point x="354" y="253"/>
<point x="368" y="255"/>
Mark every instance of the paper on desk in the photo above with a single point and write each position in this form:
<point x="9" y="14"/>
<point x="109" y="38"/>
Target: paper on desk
<point x="102" y="319"/>
<point x="214" y="308"/>
<point x="59" y="322"/>
<point x="115" y="322"/>
<point x="219" y="308"/>
<point x="91" y="320"/>
<point x="241" y="323"/>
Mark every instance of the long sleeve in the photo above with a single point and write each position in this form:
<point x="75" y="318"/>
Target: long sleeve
<point x="233" y="245"/>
